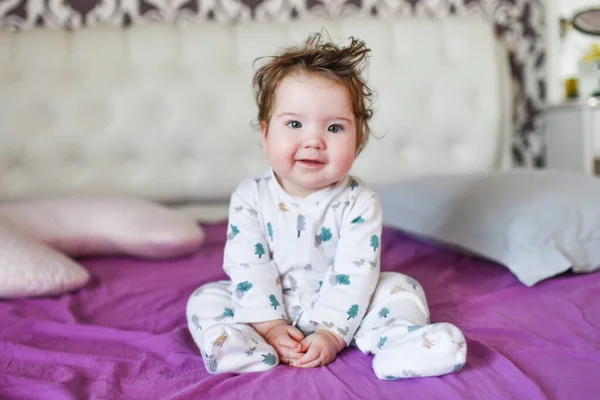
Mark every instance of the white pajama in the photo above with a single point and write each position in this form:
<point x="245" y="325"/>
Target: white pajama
<point x="312" y="261"/>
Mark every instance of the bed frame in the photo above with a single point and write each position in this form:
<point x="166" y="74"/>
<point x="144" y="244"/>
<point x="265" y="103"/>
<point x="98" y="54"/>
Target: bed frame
<point x="167" y="113"/>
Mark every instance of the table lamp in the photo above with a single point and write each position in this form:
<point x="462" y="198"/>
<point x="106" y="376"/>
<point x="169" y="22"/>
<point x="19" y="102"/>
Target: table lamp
<point x="588" y="22"/>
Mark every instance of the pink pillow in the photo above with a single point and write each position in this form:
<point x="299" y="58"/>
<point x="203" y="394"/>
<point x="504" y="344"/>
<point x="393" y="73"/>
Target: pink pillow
<point x="29" y="268"/>
<point x="80" y="226"/>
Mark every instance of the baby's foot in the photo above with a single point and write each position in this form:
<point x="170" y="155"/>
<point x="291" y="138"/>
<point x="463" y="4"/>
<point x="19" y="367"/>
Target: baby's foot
<point x="236" y="348"/>
<point x="430" y="350"/>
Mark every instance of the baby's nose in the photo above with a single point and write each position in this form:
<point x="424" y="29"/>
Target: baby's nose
<point x="315" y="140"/>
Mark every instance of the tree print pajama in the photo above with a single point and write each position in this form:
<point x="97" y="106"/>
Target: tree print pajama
<point x="315" y="260"/>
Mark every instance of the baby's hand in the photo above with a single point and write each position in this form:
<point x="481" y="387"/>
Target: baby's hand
<point x="321" y="349"/>
<point x="283" y="337"/>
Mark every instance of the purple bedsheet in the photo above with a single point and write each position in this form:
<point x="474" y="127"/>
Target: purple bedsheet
<point x="125" y="336"/>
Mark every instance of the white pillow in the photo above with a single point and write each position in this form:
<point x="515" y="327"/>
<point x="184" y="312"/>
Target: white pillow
<point x="79" y="226"/>
<point x="29" y="268"/>
<point x="537" y="223"/>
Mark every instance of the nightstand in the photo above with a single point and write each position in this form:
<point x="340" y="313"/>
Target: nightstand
<point x="572" y="132"/>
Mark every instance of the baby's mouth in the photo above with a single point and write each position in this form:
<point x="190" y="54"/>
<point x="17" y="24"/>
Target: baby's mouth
<point x="311" y="162"/>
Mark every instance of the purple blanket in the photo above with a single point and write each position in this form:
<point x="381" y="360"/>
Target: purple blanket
<point x="125" y="336"/>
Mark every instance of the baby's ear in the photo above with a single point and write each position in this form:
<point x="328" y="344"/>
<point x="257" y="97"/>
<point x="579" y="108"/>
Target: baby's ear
<point x="359" y="146"/>
<point x="264" y="127"/>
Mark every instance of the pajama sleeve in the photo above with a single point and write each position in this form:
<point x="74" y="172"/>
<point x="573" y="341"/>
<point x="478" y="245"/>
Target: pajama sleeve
<point x="351" y="280"/>
<point x="257" y="294"/>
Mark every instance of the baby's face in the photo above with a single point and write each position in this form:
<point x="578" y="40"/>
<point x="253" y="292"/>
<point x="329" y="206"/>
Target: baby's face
<point x="310" y="141"/>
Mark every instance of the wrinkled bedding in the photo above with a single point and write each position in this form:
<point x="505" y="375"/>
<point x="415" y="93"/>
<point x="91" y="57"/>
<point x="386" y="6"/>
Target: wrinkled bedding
<point x="124" y="335"/>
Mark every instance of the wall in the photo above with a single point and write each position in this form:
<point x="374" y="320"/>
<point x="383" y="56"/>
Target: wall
<point x="519" y="22"/>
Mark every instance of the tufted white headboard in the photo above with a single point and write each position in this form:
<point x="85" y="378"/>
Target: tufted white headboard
<point x="168" y="113"/>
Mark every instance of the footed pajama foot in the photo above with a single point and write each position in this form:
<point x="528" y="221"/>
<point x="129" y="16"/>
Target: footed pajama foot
<point x="419" y="351"/>
<point x="236" y="348"/>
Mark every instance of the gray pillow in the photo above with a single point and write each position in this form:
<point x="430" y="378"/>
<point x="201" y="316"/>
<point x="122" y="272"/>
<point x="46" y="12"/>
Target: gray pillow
<point x="537" y="223"/>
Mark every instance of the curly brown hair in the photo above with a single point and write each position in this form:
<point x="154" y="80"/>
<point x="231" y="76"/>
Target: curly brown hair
<point x="342" y="64"/>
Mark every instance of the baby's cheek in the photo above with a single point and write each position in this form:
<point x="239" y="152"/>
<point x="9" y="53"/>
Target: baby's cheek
<point x="345" y="161"/>
<point x="281" y="159"/>
<point x="278" y="156"/>
<point x="283" y="150"/>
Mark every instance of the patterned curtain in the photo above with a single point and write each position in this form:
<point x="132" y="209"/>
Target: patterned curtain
<point x="520" y="23"/>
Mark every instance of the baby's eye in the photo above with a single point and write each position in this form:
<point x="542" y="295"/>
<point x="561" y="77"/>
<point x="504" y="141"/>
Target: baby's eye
<point x="335" y="128"/>
<point x="294" y="124"/>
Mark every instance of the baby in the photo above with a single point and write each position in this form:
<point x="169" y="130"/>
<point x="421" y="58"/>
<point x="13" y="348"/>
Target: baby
<point x="304" y="239"/>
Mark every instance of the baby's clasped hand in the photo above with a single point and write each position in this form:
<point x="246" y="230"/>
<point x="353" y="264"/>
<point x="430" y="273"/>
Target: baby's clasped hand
<point x="316" y="350"/>
<point x="320" y="349"/>
<point x="283" y="337"/>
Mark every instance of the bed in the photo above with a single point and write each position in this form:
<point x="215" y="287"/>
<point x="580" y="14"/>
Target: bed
<point x="164" y="114"/>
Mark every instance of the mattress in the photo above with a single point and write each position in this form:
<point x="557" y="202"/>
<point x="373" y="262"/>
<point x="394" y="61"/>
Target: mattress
<point x="125" y="335"/>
